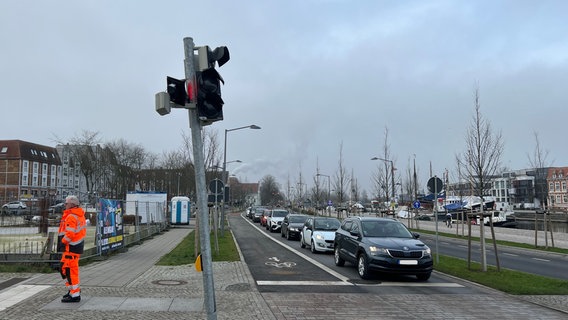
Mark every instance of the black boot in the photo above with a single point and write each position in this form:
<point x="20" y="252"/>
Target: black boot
<point x="67" y="294"/>
<point x="71" y="299"/>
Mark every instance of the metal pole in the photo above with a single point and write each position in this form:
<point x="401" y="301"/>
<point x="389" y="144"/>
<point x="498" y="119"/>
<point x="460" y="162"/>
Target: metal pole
<point x="225" y="180"/>
<point x="392" y="178"/>
<point x="204" y="237"/>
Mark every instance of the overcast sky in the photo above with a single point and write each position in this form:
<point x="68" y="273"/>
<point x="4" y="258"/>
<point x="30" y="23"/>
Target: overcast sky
<point x="314" y="74"/>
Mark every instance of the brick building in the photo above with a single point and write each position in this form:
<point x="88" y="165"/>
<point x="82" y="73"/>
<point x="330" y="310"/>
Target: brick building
<point x="28" y="171"/>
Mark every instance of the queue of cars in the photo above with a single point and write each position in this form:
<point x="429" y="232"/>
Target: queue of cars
<point x="371" y="244"/>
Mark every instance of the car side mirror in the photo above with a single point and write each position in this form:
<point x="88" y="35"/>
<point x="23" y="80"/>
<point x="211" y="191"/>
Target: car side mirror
<point x="416" y="235"/>
<point x="355" y="233"/>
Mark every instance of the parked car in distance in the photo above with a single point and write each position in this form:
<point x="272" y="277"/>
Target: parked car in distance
<point x="319" y="233"/>
<point x="263" y="217"/>
<point x="57" y="208"/>
<point x="14" y="205"/>
<point x="292" y="225"/>
<point x="257" y="213"/>
<point x="383" y="245"/>
<point x="274" y="219"/>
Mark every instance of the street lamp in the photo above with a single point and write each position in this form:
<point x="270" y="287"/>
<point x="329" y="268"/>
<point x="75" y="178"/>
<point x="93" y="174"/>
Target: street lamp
<point x="226" y="176"/>
<point x="392" y="172"/>
<point x="328" y="186"/>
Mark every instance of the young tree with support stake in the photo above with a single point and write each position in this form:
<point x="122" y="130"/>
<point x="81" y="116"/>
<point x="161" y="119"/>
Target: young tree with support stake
<point x="481" y="160"/>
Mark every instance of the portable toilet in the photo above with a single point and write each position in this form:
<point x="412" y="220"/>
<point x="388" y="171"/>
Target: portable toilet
<point x="181" y="209"/>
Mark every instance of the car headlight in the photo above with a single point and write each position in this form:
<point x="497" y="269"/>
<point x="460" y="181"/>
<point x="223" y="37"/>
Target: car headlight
<point x="294" y="229"/>
<point x="427" y="252"/>
<point x="377" y="250"/>
<point x="319" y="237"/>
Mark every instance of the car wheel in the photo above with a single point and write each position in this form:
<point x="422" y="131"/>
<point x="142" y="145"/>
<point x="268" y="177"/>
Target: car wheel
<point x="423" y="277"/>
<point x="313" y="247"/>
<point x="338" y="260"/>
<point x="302" y="244"/>
<point x="363" y="266"/>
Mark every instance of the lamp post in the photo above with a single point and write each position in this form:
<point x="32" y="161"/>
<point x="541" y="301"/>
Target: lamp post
<point x="328" y="186"/>
<point x="392" y="172"/>
<point x="179" y="175"/>
<point x="226" y="176"/>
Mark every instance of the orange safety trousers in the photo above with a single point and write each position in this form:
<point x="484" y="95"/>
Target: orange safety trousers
<point x="70" y="272"/>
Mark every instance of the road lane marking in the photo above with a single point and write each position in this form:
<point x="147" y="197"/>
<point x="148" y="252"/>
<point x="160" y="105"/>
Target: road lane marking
<point x="302" y="283"/>
<point x="511" y="254"/>
<point x="539" y="259"/>
<point x="18" y="293"/>
<point x="342" y="283"/>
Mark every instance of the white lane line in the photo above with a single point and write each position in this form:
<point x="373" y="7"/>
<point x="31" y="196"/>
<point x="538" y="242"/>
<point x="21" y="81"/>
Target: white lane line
<point x="342" y="283"/>
<point x="18" y="293"/>
<point x="511" y="254"/>
<point x="302" y="283"/>
<point x="539" y="259"/>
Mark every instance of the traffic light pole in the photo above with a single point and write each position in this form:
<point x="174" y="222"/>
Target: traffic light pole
<point x="204" y="234"/>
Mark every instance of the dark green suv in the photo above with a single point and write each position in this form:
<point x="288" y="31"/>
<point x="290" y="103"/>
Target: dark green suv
<point x="381" y="244"/>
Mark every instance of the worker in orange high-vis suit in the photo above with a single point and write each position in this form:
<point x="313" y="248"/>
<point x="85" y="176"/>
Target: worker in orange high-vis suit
<point x="70" y="243"/>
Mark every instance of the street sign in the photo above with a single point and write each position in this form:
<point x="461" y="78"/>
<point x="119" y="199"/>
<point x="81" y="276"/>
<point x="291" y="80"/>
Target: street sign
<point x="416" y="204"/>
<point x="216" y="186"/>
<point x="329" y="203"/>
<point x="435" y="185"/>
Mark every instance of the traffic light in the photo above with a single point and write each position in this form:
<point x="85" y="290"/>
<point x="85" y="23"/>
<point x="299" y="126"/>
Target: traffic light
<point x="180" y="91"/>
<point x="209" y="101"/>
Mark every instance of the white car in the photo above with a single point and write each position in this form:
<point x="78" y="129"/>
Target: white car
<point x="275" y="218"/>
<point x="14" y="205"/>
<point x="319" y="233"/>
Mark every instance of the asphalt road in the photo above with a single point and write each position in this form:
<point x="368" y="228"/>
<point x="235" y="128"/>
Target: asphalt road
<point x="546" y="264"/>
<point x="280" y="265"/>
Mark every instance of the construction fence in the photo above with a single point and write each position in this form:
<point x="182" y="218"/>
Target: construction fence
<point x="33" y="238"/>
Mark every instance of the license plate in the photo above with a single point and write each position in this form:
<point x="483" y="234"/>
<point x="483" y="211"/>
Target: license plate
<point x="408" y="262"/>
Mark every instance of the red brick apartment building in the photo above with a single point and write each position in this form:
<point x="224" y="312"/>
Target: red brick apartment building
<point x="28" y="171"/>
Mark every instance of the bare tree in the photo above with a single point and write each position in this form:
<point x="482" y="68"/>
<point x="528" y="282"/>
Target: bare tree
<point x="482" y="158"/>
<point x="341" y="179"/>
<point x="538" y="161"/>
<point x="270" y="191"/>
<point x="383" y="178"/>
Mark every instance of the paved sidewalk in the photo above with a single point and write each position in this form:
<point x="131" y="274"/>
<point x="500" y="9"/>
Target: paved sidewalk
<point x="130" y="286"/>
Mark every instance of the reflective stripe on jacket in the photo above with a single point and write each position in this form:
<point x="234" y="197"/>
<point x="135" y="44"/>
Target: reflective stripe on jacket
<point x="72" y="231"/>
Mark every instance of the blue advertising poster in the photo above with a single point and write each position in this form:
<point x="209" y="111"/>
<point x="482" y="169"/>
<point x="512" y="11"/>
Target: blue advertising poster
<point x="110" y="231"/>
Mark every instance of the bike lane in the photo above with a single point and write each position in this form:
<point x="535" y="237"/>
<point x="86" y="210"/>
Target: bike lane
<point x="275" y="267"/>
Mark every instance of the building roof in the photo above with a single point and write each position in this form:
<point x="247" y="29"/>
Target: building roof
<point x="18" y="149"/>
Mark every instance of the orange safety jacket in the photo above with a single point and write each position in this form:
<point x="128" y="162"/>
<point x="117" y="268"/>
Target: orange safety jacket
<point x="72" y="231"/>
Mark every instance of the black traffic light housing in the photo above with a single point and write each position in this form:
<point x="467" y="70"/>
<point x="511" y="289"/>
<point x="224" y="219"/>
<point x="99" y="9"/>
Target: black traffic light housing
<point x="177" y="91"/>
<point x="209" y="101"/>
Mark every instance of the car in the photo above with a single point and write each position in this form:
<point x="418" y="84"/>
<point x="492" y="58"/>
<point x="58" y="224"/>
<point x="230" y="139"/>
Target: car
<point x="292" y="225"/>
<point x="263" y="217"/>
<point x="275" y="218"/>
<point x="14" y="205"/>
<point x="257" y="213"/>
<point x="318" y="233"/>
<point x="383" y="245"/>
<point x="57" y="208"/>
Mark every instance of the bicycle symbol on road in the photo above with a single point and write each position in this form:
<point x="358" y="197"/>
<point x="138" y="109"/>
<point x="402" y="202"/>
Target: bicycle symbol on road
<point x="275" y="262"/>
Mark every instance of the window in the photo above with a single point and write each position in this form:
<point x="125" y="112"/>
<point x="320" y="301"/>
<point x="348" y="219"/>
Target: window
<point x="551" y="187"/>
<point x="564" y="186"/>
<point x="557" y="186"/>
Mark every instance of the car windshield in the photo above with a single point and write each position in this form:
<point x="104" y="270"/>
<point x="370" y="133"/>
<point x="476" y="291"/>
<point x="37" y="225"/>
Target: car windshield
<point x="326" y="224"/>
<point x="279" y="214"/>
<point x="385" y="229"/>
<point x="298" y="219"/>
